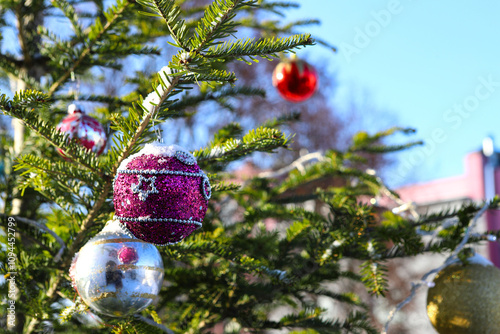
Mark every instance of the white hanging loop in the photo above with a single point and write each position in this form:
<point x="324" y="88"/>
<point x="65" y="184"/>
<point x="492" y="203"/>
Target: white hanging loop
<point x="157" y="131"/>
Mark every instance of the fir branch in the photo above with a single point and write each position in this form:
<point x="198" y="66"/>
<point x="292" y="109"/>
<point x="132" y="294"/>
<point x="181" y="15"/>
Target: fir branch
<point x="348" y="298"/>
<point x="87" y="223"/>
<point x="195" y="68"/>
<point x="14" y="67"/>
<point x="312" y="319"/>
<point x="327" y="168"/>
<point x="57" y="190"/>
<point x="217" y="22"/>
<point x="117" y="101"/>
<point x="170" y="12"/>
<point x="191" y="76"/>
<point x="193" y="100"/>
<point x="180" y="108"/>
<point x="273" y="27"/>
<point x="116" y="48"/>
<point x="9" y="64"/>
<point x="228" y="131"/>
<point x="70" y="13"/>
<point x="97" y="31"/>
<point x="362" y="141"/>
<point x="264" y="47"/>
<point x="438" y="217"/>
<point x="374" y="277"/>
<point x="258" y="140"/>
<point x="276" y="5"/>
<point x="21" y="26"/>
<point x="298" y="23"/>
<point x="64" y="202"/>
<point x="149" y="326"/>
<point x="30" y="163"/>
<point x="225" y="187"/>
<point x="298" y="164"/>
<point x="50" y="36"/>
<point x="284" y="119"/>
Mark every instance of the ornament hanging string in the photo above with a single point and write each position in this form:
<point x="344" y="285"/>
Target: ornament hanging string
<point x="75" y="89"/>
<point x="152" y="102"/>
<point x="157" y="130"/>
<point x="156" y="127"/>
<point x="423" y="281"/>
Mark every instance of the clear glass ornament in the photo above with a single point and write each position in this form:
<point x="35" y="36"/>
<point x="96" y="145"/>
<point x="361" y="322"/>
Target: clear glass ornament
<point x="117" y="274"/>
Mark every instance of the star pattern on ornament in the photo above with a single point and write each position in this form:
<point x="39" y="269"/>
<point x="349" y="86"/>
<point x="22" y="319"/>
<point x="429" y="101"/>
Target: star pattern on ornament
<point x="143" y="194"/>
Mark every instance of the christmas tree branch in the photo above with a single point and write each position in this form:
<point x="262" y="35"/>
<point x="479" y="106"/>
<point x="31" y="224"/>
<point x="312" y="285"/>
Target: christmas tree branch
<point x="216" y="23"/>
<point x="154" y="324"/>
<point x="86" y="51"/>
<point x="22" y="34"/>
<point x="9" y="64"/>
<point x="70" y="13"/>
<point x="170" y="13"/>
<point x="265" y="47"/>
<point x="258" y="140"/>
<point x="88" y="222"/>
<point x="59" y="169"/>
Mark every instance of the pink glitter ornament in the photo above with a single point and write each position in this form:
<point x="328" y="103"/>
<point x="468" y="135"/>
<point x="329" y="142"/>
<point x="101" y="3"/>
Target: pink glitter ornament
<point x="85" y="129"/>
<point x="161" y="194"/>
<point x="128" y="255"/>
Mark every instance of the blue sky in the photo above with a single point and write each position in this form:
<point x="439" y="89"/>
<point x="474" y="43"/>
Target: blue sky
<point x="431" y="65"/>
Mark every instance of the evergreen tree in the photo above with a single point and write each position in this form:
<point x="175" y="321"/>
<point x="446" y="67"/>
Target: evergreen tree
<point x="235" y="271"/>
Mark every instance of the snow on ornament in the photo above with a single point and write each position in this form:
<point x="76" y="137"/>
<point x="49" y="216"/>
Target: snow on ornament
<point x="160" y="194"/>
<point x="84" y="129"/>
<point x="295" y="80"/>
<point x="116" y="274"/>
<point x="465" y="298"/>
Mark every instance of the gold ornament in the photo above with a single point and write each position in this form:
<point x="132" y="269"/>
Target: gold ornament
<point x="466" y="298"/>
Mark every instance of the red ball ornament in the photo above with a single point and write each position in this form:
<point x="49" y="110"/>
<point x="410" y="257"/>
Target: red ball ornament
<point x="295" y="80"/>
<point x="85" y="129"/>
